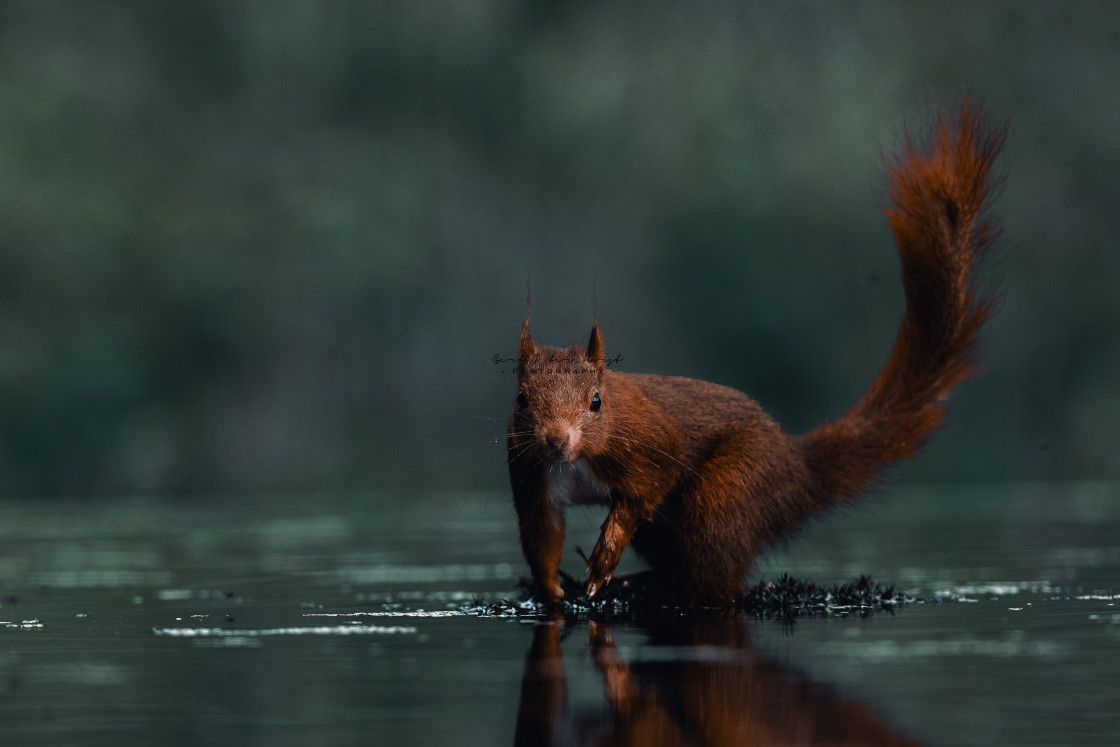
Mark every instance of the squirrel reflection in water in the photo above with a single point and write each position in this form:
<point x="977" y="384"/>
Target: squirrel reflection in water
<point x="730" y="697"/>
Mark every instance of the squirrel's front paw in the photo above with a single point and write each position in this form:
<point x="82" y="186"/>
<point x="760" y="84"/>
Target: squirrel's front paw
<point x="550" y="591"/>
<point x="601" y="566"/>
<point x="597" y="583"/>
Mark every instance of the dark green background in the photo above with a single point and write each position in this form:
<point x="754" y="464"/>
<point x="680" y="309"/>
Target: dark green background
<point x="260" y="246"/>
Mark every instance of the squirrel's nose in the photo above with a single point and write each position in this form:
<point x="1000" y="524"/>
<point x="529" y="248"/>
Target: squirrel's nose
<point x="559" y="441"/>
<point x="556" y="440"/>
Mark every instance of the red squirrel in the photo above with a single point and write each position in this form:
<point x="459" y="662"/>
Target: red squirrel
<point x="698" y="477"/>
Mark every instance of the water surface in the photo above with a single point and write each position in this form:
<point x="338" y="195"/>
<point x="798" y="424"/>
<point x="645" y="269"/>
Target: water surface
<point x="316" y="618"/>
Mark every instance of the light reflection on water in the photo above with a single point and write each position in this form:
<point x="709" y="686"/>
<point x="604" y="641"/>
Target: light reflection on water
<point x="298" y="630"/>
<point x="1013" y="644"/>
<point x="279" y="620"/>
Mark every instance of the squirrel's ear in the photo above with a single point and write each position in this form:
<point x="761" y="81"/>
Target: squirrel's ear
<point x="595" y="347"/>
<point x="525" y="348"/>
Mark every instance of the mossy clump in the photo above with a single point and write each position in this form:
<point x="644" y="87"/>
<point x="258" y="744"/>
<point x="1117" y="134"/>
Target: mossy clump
<point x="785" y="599"/>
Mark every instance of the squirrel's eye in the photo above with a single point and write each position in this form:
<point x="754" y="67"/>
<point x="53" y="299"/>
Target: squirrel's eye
<point x="596" y="403"/>
<point x="522" y="400"/>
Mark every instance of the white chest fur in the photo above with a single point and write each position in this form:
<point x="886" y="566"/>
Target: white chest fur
<point x="574" y="483"/>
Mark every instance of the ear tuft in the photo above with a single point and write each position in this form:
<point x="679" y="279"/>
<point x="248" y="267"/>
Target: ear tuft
<point x="525" y="347"/>
<point x="595" y="347"/>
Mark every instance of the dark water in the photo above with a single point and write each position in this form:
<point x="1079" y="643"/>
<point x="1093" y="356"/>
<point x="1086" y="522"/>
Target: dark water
<point x="328" y="619"/>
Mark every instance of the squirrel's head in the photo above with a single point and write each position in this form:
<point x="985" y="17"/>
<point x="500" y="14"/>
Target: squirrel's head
<point x="561" y="409"/>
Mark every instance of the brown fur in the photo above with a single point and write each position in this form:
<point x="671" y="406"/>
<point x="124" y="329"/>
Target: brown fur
<point x="698" y="478"/>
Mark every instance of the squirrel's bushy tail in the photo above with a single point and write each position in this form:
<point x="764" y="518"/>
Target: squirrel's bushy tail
<point x="937" y="201"/>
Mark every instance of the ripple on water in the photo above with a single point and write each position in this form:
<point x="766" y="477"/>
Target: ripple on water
<point x="1013" y="645"/>
<point x="448" y="573"/>
<point x="22" y="625"/>
<point x="189" y="632"/>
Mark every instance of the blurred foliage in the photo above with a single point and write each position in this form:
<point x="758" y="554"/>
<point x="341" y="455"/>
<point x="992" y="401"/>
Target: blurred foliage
<point x="274" y="245"/>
